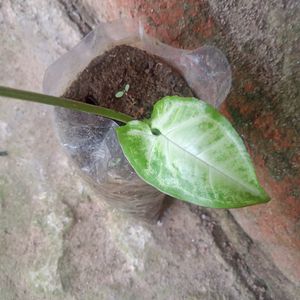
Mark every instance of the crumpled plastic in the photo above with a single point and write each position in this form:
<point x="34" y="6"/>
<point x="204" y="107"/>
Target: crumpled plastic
<point x="91" y="140"/>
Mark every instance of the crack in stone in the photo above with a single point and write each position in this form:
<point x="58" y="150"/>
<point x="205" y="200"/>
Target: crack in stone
<point x="255" y="285"/>
<point x="80" y="15"/>
<point x="65" y="252"/>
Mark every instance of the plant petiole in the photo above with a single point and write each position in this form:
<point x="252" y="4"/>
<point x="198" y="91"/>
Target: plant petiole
<point x="64" y="102"/>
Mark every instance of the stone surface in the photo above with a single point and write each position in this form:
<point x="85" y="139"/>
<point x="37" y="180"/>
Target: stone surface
<point x="265" y="107"/>
<point x="32" y="215"/>
<point x="56" y="239"/>
<point x="261" y="40"/>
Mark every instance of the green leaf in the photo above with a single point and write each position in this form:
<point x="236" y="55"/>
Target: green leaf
<point x="127" y="86"/>
<point x="119" y="94"/>
<point x="188" y="150"/>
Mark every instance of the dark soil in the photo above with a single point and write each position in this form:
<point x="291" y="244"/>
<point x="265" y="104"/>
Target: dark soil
<point x="149" y="79"/>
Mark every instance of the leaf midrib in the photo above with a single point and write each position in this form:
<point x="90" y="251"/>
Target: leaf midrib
<point x="246" y="186"/>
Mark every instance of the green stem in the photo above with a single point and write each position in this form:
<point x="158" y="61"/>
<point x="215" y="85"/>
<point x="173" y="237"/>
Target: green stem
<point x="63" y="102"/>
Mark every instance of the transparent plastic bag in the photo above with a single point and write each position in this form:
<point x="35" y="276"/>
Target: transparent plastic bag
<point x="91" y="140"/>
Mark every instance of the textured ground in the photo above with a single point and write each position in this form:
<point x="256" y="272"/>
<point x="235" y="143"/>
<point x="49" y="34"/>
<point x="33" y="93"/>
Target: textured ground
<point x="56" y="239"/>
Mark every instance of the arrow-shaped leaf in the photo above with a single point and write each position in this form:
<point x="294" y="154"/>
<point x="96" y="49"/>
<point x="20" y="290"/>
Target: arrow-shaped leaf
<point x="190" y="151"/>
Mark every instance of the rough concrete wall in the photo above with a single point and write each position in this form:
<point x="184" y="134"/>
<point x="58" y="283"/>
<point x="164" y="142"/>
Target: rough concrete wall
<point x="265" y="107"/>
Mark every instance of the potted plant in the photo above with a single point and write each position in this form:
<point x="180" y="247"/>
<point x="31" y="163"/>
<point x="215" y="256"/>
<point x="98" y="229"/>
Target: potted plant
<point x="185" y="149"/>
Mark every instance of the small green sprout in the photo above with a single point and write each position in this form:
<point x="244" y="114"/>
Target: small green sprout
<point x="121" y="93"/>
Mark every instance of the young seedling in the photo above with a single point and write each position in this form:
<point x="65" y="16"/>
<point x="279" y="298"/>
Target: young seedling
<point x="121" y="93"/>
<point x="186" y="149"/>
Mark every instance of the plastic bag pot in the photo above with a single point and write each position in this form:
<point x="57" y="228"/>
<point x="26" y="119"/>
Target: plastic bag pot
<point x="91" y="140"/>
